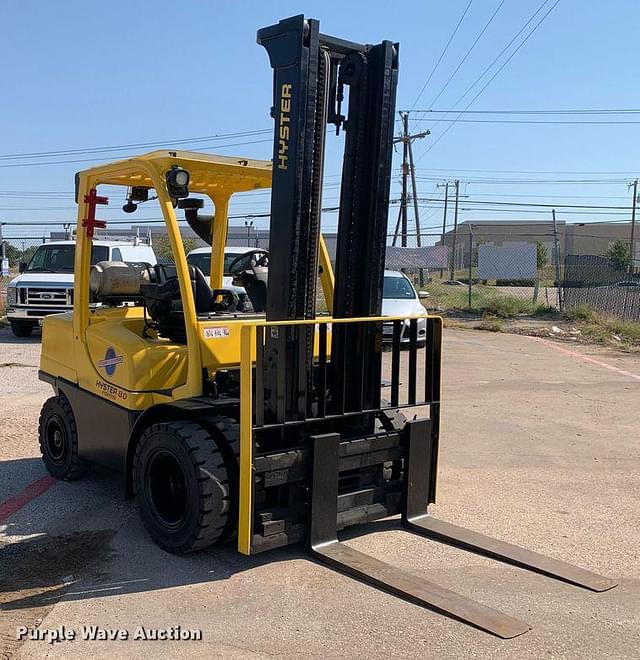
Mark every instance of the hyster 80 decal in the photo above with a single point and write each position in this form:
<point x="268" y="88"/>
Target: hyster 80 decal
<point x="111" y="361"/>
<point x="283" y="129"/>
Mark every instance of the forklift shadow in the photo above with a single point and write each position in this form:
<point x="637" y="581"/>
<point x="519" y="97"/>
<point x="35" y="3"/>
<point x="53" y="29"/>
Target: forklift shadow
<point x="111" y="556"/>
<point x="36" y="574"/>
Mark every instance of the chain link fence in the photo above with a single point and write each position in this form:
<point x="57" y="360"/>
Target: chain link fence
<point x="13" y="251"/>
<point x="475" y="272"/>
<point x="602" y="283"/>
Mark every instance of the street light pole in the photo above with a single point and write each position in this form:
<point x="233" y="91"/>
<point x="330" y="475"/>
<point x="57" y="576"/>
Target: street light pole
<point x="248" y="224"/>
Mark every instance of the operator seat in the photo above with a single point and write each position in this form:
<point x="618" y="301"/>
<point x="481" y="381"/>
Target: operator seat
<point x="166" y="278"/>
<point x="162" y="299"/>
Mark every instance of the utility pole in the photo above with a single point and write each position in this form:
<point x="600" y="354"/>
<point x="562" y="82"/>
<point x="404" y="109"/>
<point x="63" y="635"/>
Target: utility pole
<point x="405" y="172"/>
<point x="407" y="168"/>
<point x="455" y="231"/>
<point x="444" y="216"/>
<point x="556" y="244"/>
<point x="632" y="239"/>
<point x="414" y="188"/>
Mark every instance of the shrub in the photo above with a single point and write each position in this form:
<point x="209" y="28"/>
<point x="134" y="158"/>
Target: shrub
<point x="490" y="323"/>
<point x="581" y="313"/>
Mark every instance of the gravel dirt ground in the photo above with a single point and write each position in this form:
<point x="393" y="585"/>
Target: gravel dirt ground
<point x="539" y="447"/>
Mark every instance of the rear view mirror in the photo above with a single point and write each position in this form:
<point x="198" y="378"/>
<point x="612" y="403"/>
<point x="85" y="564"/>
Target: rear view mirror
<point x="22" y="266"/>
<point x="423" y="294"/>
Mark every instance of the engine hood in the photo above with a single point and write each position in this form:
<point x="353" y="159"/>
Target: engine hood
<point x="399" y="307"/>
<point x="53" y="280"/>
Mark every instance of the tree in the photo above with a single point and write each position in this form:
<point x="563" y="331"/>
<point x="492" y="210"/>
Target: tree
<point x="542" y="255"/>
<point x="162" y="247"/>
<point x="619" y="253"/>
<point x="15" y="255"/>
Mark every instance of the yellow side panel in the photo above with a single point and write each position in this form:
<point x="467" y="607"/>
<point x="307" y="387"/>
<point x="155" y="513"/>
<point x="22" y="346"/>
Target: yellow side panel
<point x="122" y="357"/>
<point x="58" y="357"/>
<point x="220" y="343"/>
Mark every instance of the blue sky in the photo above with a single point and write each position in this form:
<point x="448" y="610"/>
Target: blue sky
<point x="79" y="74"/>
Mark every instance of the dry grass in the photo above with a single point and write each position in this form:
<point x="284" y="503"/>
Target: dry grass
<point x="605" y="329"/>
<point x="490" y="323"/>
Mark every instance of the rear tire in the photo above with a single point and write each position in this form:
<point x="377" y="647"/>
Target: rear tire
<point x="59" y="440"/>
<point x="22" y="328"/>
<point x="181" y="484"/>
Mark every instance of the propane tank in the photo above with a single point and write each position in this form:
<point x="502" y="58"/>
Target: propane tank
<point x="116" y="278"/>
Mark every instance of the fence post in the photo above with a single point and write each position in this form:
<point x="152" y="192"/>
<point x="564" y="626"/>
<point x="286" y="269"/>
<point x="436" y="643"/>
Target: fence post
<point x="4" y="263"/>
<point x="556" y="244"/>
<point x="632" y="240"/>
<point x="455" y="233"/>
<point x="470" y="261"/>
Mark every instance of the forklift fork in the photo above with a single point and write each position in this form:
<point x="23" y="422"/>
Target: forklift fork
<point x="323" y="544"/>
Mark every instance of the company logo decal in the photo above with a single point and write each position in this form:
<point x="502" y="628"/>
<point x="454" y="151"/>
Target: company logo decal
<point x="111" y="361"/>
<point x="284" y="127"/>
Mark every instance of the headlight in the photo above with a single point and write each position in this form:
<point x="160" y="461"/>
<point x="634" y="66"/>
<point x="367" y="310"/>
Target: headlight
<point x="177" y="182"/>
<point x="12" y="295"/>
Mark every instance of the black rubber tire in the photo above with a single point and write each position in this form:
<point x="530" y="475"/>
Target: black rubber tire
<point x="59" y="440"/>
<point x="226" y="433"/>
<point x="183" y="459"/>
<point x="22" y="328"/>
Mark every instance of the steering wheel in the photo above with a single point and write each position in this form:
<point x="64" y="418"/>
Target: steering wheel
<point x="252" y="259"/>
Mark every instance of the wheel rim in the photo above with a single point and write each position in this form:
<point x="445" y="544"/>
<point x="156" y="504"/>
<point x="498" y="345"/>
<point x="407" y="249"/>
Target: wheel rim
<point x="56" y="440"/>
<point x="166" y="489"/>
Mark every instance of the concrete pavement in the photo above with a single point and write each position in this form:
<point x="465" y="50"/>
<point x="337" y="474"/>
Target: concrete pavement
<point x="539" y="447"/>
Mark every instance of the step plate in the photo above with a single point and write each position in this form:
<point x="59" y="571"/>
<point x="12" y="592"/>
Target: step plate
<point x="419" y="591"/>
<point x="466" y="539"/>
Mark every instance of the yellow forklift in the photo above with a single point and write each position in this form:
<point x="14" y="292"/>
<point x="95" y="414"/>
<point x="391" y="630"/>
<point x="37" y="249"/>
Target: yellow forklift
<point x="277" y="425"/>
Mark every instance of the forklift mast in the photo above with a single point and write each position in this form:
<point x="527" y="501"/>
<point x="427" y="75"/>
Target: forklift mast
<point x="311" y="72"/>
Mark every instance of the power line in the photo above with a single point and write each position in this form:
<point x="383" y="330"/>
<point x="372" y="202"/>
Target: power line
<point x="505" y="181"/>
<point x="590" y="111"/>
<point x="133" y="145"/>
<point x="627" y="173"/>
<point x="495" y="59"/>
<point x="444" y="50"/>
<point x="93" y="160"/>
<point x="466" y="55"/>
<point x="520" y="45"/>
<point x="537" y="204"/>
<point x="544" y="121"/>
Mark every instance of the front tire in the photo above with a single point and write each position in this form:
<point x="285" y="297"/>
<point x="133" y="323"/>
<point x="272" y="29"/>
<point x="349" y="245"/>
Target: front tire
<point x="59" y="440"/>
<point x="181" y="486"/>
<point x="22" y="328"/>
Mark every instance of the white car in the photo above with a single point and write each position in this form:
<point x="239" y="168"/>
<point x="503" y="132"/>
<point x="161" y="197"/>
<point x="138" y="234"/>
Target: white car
<point x="201" y="258"/>
<point x="45" y="283"/>
<point x="399" y="298"/>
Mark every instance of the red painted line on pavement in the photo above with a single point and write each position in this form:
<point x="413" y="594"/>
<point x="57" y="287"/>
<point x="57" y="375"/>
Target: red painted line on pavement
<point x="586" y="358"/>
<point x="15" y="503"/>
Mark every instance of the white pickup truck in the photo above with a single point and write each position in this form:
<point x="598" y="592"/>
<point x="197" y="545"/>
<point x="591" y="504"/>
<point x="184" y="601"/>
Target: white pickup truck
<point x="45" y="283"/>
